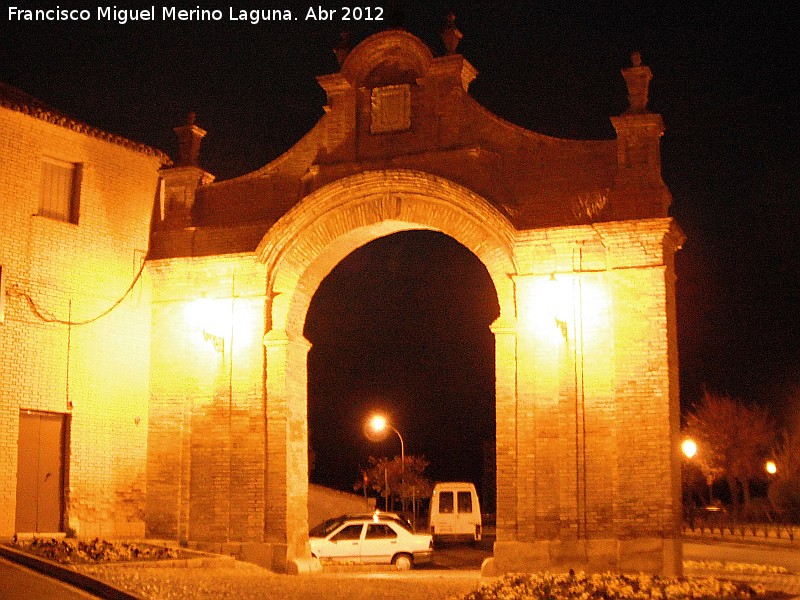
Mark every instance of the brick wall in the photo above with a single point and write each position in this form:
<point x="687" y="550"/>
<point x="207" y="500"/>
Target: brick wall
<point x="205" y="459"/>
<point x="194" y="388"/>
<point x="96" y="373"/>
<point x="594" y="425"/>
<point x="586" y="376"/>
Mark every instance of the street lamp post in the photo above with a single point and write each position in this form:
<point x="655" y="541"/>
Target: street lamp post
<point x="378" y="424"/>
<point x="772" y="470"/>
<point x="689" y="448"/>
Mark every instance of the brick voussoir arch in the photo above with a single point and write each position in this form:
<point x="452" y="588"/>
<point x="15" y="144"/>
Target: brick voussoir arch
<point x="316" y="234"/>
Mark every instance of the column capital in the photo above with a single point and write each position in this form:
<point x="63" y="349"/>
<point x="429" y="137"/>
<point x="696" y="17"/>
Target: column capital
<point x="275" y="338"/>
<point x="504" y="326"/>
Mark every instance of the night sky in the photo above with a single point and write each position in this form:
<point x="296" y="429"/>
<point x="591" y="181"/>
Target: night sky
<point x="725" y="82"/>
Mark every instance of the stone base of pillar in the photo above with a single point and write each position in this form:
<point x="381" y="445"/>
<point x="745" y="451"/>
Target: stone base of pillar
<point x="303" y="566"/>
<point x="282" y="562"/>
<point x="256" y="553"/>
<point x="269" y="555"/>
<point x="657" y="556"/>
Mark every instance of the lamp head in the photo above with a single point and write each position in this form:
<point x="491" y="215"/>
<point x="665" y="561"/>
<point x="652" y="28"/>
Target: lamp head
<point x="376" y="428"/>
<point x="689" y="448"/>
<point x="378" y="423"/>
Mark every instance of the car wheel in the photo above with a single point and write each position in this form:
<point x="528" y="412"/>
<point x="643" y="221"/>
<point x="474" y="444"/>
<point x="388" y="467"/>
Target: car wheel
<point x="403" y="562"/>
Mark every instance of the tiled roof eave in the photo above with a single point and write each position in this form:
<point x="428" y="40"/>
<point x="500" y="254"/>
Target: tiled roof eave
<point x="63" y="121"/>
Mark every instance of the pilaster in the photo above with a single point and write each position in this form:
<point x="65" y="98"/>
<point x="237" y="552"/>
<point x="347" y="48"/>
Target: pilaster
<point x="286" y="478"/>
<point x="506" y="415"/>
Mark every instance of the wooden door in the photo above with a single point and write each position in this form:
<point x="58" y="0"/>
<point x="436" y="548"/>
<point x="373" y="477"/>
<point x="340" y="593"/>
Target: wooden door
<point x="40" y="472"/>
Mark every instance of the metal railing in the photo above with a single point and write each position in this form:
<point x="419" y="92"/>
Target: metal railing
<point x="722" y="523"/>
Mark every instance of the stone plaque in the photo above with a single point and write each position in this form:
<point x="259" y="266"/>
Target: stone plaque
<point x="391" y="109"/>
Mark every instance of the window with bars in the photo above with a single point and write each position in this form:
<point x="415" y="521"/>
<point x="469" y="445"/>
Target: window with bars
<point x="60" y="192"/>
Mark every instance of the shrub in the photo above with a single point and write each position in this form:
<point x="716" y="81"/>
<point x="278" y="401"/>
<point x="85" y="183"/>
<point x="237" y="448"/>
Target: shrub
<point x="72" y="551"/>
<point x="610" y="586"/>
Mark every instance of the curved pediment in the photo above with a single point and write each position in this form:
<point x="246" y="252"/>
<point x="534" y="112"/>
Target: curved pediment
<point x="394" y="106"/>
<point x="387" y="58"/>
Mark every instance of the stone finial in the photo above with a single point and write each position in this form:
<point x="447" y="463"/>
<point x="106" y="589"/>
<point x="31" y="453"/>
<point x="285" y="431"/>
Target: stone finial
<point x="189" y="138"/>
<point x="343" y="47"/>
<point x="637" y="78"/>
<point x="451" y="36"/>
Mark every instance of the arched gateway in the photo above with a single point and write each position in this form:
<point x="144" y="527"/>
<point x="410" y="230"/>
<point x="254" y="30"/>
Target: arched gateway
<point x="577" y="241"/>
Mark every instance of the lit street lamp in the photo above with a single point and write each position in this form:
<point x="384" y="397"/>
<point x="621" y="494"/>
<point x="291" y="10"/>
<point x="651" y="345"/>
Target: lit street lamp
<point x="689" y="447"/>
<point x="771" y="467"/>
<point x="378" y="424"/>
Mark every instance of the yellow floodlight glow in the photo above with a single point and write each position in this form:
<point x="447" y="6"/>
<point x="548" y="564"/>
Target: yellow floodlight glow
<point x="544" y="305"/>
<point x="561" y="307"/>
<point x="560" y="297"/>
<point x="771" y="467"/>
<point x="211" y="318"/>
<point x="560" y="300"/>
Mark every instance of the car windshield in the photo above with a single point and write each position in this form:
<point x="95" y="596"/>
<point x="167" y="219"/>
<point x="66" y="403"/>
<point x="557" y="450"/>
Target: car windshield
<point x="326" y="527"/>
<point x="378" y="516"/>
<point x="399" y="520"/>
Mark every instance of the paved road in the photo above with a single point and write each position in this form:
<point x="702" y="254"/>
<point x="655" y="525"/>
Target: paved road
<point x="742" y="552"/>
<point x="466" y="556"/>
<point x="21" y="583"/>
<point x="454" y="571"/>
<point x="461" y="556"/>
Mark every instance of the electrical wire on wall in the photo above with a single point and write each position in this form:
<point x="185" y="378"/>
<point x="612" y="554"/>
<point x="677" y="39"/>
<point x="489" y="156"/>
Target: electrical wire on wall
<point x="16" y="291"/>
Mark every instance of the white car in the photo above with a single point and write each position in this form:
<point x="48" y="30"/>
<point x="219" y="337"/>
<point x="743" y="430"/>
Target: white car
<point x="379" y="538"/>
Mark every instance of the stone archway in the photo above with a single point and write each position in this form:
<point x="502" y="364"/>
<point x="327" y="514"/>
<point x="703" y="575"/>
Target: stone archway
<point x="299" y="251"/>
<point x="574" y="234"/>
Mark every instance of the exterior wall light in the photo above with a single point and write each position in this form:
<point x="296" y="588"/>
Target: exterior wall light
<point x="216" y="340"/>
<point x="211" y="317"/>
<point x="560" y="302"/>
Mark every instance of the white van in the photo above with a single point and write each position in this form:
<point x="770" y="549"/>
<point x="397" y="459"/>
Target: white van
<point x="455" y="512"/>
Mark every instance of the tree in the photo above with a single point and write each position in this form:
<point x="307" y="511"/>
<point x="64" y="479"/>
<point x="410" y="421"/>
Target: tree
<point x="733" y="440"/>
<point x="386" y="477"/>
<point x="784" y="489"/>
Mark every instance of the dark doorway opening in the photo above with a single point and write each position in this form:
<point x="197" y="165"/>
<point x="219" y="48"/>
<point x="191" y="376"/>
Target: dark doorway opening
<point x="401" y="325"/>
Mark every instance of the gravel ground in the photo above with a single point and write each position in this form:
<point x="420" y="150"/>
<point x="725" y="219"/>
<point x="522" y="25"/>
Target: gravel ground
<point x="244" y="581"/>
<point x="249" y="582"/>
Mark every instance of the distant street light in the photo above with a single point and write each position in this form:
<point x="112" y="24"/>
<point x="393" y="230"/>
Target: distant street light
<point x="378" y="424"/>
<point x="771" y="467"/>
<point x="689" y="447"/>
